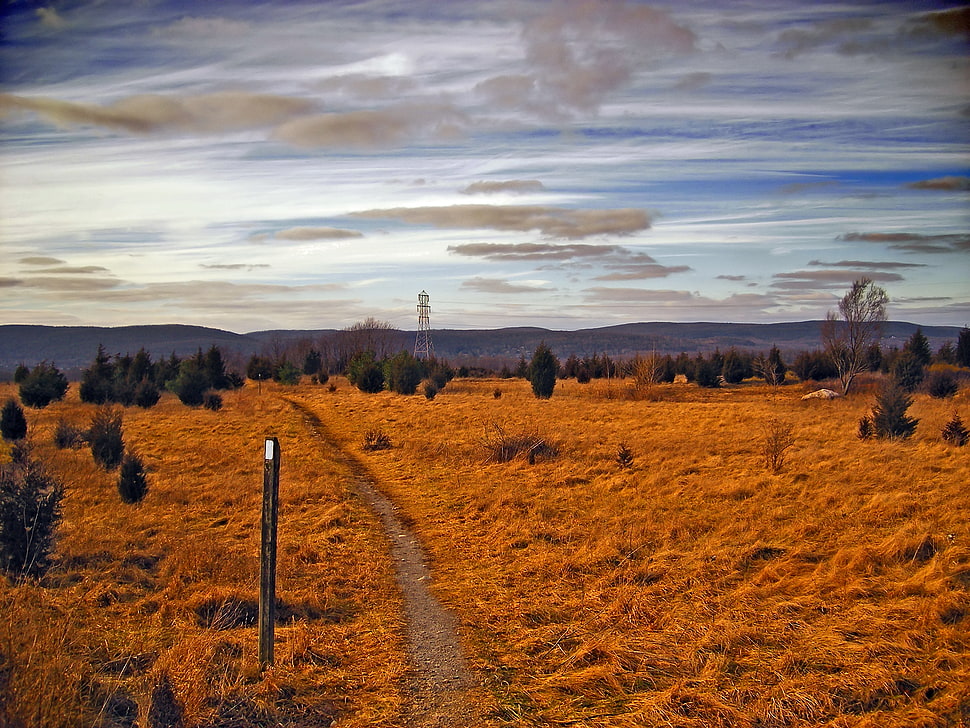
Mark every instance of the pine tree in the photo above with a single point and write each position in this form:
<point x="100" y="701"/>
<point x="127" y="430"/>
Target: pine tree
<point x="13" y="423"/>
<point x="889" y="413"/>
<point x="542" y="371"/>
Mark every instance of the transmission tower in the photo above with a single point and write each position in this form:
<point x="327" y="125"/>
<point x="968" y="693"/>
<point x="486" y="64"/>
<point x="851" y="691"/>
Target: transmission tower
<point x="422" y="342"/>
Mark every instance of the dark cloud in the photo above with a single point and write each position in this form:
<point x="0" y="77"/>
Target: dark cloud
<point x="496" y="285"/>
<point x="374" y="128"/>
<point x="40" y="260"/>
<point x="10" y="282"/>
<point x="686" y="300"/>
<point x="316" y="233"/>
<point x="731" y="278"/>
<point x="517" y="186"/>
<point x="866" y="264"/>
<point x="534" y="251"/>
<point x="693" y="81"/>
<point x="912" y="242"/>
<point x="149" y="113"/>
<point x="640" y="266"/>
<point x="70" y="284"/>
<point x="946" y="184"/>
<point x="814" y="279"/>
<point x="553" y="222"/>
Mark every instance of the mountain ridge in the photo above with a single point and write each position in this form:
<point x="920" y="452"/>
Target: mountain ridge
<point x="75" y="346"/>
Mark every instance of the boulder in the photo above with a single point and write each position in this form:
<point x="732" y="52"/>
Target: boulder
<point x="822" y="394"/>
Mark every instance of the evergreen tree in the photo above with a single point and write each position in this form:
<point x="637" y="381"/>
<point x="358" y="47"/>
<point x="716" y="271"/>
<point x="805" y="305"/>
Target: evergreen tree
<point x="20" y="373"/>
<point x="542" y="371"/>
<point x="365" y="373"/>
<point x="907" y="371"/>
<point x="735" y="368"/>
<point x="776" y="369"/>
<point x="919" y="346"/>
<point x="259" y="368"/>
<point x="963" y="347"/>
<point x="889" y="413"/>
<point x="215" y="369"/>
<point x="403" y="373"/>
<point x="97" y="381"/>
<point x="191" y="383"/>
<point x="13" y="422"/>
<point x="30" y="511"/>
<point x="312" y="363"/>
<point x="707" y="372"/>
<point x="132" y="483"/>
<point x="44" y="384"/>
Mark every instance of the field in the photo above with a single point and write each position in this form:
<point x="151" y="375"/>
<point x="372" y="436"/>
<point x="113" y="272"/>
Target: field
<point x="687" y="584"/>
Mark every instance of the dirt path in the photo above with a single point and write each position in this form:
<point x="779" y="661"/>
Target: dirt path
<point x="441" y="689"/>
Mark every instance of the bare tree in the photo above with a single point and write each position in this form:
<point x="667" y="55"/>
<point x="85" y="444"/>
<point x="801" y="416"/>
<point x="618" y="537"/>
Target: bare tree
<point x="378" y="337"/>
<point x="848" y="334"/>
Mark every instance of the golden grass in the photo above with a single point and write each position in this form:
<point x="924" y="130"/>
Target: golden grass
<point x="163" y="587"/>
<point x="694" y="587"/>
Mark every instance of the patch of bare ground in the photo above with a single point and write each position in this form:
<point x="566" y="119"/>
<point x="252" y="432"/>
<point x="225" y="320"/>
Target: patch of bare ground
<point x="441" y="692"/>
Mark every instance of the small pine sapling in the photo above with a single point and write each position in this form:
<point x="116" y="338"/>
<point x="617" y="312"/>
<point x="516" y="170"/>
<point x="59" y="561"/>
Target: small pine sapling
<point x="624" y="457"/>
<point x="13" y="422"/>
<point x="954" y="432"/>
<point x="132" y="483"/>
<point x="889" y="413"/>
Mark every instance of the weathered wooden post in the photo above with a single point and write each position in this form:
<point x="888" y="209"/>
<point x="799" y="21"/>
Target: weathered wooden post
<point x="267" y="554"/>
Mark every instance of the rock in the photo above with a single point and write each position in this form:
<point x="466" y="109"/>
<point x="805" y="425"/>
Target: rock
<point x="822" y="394"/>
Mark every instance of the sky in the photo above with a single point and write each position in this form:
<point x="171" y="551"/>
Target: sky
<point x="564" y="164"/>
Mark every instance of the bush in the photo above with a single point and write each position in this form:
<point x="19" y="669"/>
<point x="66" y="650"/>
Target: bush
<point x="955" y="433"/>
<point x="132" y="484"/>
<point x="402" y="373"/>
<point x="624" y="457"/>
<point x="866" y="429"/>
<point x="191" y="384"/>
<point x="44" y="384"/>
<point x="147" y="394"/>
<point x="502" y="447"/>
<point x="908" y="371"/>
<point x="30" y="511"/>
<point x="287" y="374"/>
<point x="941" y="384"/>
<point x="542" y="371"/>
<point x="376" y="440"/>
<point x="13" y="423"/>
<point x="105" y="436"/>
<point x="212" y="401"/>
<point x="889" y="413"/>
<point x="430" y="390"/>
<point x="778" y="437"/>
<point x="67" y="435"/>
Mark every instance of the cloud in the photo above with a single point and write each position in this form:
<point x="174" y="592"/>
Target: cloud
<point x="235" y="266"/>
<point x="948" y="184"/>
<point x="640" y="266"/>
<point x="50" y="19"/>
<point x="69" y="284"/>
<point x="515" y="186"/>
<point x="368" y="87"/>
<point x="914" y="243"/>
<point x="867" y="264"/>
<point x="316" y="233"/>
<point x="731" y="278"/>
<point x="951" y="22"/>
<point x="208" y="28"/>
<point x="693" y="81"/>
<point x="75" y="270"/>
<point x="533" y="251"/>
<point x="554" y="222"/>
<point x="41" y="260"/>
<point x="374" y="128"/>
<point x="150" y="113"/>
<point x="496" y="285"/>
<point x="686" y="300"/>
<point x="10" y="282"/>
<point x="842" y="33"/>
<point x="581" y="50"/>
<point x="810" y="280"/>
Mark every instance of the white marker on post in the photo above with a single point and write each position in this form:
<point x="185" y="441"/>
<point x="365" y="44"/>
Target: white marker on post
<point x="269" y="449"/>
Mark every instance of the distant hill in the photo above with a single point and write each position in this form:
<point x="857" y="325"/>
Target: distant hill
<point x="72" y="347"/>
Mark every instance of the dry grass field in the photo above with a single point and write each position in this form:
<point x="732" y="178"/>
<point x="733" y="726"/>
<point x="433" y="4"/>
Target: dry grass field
<point x="689" y="585"/>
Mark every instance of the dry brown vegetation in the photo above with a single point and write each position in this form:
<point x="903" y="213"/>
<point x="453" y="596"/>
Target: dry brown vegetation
<point x="691" y="585"/>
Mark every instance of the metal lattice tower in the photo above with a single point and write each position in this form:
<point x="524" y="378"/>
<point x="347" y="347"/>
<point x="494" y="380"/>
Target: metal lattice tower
<point x="422" y="342"/>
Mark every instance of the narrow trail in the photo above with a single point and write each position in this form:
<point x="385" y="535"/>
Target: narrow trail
<point x="440" y="689"/>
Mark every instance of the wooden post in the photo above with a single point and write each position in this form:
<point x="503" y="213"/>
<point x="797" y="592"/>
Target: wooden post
<point x="267" y="554"/>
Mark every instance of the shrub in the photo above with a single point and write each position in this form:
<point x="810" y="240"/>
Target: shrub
<point x="287" y="374"/>
<point x="105" y="436"/>
<point x="955" y="433"/>
<point x="365" y="373"/>
<point x="191" y="383"/>
<point x="778" y="437"/>
<point x="866" y="429"/>
<point x="907" y="370"/>
<point x="147" y="394"/>
<point x="30" y="510"/>
<point x="132" y="484"/>
<point x="502" y="447"/>
<point x="624" y="457"/>
<point x="941" y="384"/>
<point x="402" y="373"/>
<point x="497" y="393"/>
<point x="67" y="435"/>
<point x="430" y="390"/>
<point x="376" y="440"/>
<point x="542" y="372"/>
<point x="13" y="423"/>
<point x="889" y="413"/>
<point x="707" y="372"/>
<point x="20" y="373"/>
<point x="212" y="401"/>
<point x="44" y="384"/>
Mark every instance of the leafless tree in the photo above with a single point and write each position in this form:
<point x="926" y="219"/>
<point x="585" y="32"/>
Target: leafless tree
<point x="379" y="337"/>
<point x="848" y="334"/>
